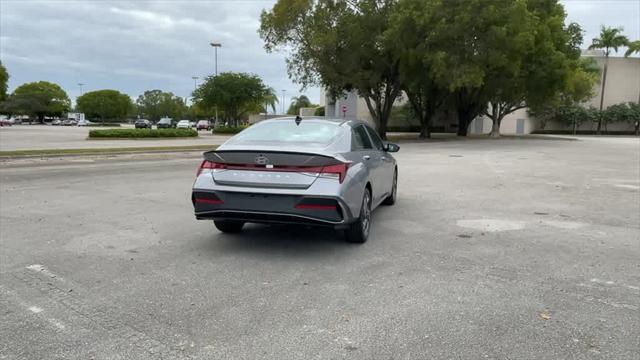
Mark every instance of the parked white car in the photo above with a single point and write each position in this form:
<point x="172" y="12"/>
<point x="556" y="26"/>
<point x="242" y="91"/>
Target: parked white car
<point x="184" y="124"/>
<point x="83" y="123"/>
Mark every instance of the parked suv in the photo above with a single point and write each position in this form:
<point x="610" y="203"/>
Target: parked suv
<point x="165" y="123"/>
<point x="143" y="124"/>
<point x="203" y="125"/>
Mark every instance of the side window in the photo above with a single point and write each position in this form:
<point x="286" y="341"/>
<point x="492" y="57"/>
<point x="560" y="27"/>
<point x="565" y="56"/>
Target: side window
<point x="359" y="139"/>
<point x="377" y="142"/>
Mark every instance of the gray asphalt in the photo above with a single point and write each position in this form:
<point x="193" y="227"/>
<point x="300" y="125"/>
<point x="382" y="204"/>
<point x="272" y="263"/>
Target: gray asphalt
<point x="508" y="249"/>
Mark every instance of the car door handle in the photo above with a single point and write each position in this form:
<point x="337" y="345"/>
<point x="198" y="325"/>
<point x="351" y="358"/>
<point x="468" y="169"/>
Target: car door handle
<point x="366" y="157"/>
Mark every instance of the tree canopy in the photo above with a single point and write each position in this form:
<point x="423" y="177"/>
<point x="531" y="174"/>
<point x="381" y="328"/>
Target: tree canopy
<point x="155" y="104"/>
<point x="105" y="105"/>
<point x="338" y="44"/>
<point x="4" y="78"/>
<point x="634" y="47"/>
<point x="39" y="99"/>
<point x="234" y="94"/>
<point x="465" y="54"/>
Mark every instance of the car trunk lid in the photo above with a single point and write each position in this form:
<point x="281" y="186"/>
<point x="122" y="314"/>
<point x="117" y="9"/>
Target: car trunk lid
<point x="271" y="168"/>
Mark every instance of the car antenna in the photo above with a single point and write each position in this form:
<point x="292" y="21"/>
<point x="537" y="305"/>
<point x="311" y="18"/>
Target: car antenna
<point x="298" y="119"/>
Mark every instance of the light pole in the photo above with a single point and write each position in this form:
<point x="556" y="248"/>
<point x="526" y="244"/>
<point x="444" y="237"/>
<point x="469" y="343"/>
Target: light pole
<point x="283" y="92"/>
<point x="80" y="85"/>
<point x="195" y="82"/>
<point x="215" y="47"/>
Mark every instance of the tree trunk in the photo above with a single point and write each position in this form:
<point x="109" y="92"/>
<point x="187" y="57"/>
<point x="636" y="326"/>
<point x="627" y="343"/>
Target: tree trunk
<point x="495" y="128"/>
<point x="425" y="130"/>
<point x="604" y="84"/>
<point x="464" y="119"/>
<point x="41" y="118"/>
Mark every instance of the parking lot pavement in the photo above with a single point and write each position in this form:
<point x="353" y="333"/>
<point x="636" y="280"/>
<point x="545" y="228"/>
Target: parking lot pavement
<point x="34" y="137"/>
<point x="508" y="249"/>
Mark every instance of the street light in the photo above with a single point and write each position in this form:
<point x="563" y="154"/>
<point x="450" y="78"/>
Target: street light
<point x="195" y="87"/>
<point x="195" y="82"/>
<point x="283" y="91"/>
<point x="80" y="85"/>
<point x="215" y="47"/>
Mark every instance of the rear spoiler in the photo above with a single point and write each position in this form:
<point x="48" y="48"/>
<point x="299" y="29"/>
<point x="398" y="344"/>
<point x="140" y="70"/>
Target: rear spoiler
<point x="276" y="158"/>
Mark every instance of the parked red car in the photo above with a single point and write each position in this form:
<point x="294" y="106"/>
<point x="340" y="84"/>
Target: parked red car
<point x="203" y="125"/>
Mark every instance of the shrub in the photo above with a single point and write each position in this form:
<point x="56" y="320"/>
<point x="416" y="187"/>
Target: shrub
<point x="142" y="133"/>
<point x="319" y="111"/>
<point x="229" y="129"/>
<point x="623" y="112"/>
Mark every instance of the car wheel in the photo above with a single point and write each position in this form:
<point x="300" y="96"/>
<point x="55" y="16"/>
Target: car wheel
<point x="391" y="199"/>
<point x="229" y="226"/>
<point x="358" y="232"/>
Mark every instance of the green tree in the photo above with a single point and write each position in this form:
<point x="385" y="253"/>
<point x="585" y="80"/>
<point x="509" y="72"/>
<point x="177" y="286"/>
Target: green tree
<point x="105" y="105"/>
<point x="299" y="102"/>
<point x="411" y="36"/>
<point x="610" y="39"/>
<point x="578" y="88"/>
<point x="4" y="78"/>
<point x="234" y="94"/>
<point x="39" y="99"/>
<point x="155" y="104"/>
<point x="634" y="47"/>
<point x="270" y="100"/>
<point x="337" y="44"/>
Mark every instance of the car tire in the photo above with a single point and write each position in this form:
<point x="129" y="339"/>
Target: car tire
<point x="228" y="226"/>
<point x="391" y="199"/>
<point x="358" y="232"/>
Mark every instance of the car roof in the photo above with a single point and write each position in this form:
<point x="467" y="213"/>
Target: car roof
<point x="337" y="121"/>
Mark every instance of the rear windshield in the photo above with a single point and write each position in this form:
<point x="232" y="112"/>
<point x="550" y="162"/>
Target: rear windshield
<point x="317" y="133"/>
<point x="164" y="121"/>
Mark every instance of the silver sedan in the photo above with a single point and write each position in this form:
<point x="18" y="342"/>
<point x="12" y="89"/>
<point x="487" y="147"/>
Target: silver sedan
<point x="313" y="171"/>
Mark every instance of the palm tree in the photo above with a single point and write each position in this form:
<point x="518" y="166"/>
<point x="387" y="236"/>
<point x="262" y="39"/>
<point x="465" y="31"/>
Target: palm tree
<point x="298" y="102"/>
<point x="610" y="38"/>
<point x="634" y="47"/>
<point x="270" y="99"/>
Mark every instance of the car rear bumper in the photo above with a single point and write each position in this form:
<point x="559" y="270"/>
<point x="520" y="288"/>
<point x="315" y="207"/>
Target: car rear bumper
<point x="271" y="208"/>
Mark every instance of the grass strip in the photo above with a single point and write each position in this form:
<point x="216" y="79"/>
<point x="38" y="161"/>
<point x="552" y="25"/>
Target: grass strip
<point x="103" y="151"/>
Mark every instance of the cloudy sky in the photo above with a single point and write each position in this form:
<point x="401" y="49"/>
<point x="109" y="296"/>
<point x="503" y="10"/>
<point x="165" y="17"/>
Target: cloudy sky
<point x="135" y="46"/>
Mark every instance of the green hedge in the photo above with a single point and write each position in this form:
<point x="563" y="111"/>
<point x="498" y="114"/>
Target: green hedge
<point x="229" y="129"/>
<point x="105" y="125"/>
<point x="142" y="133"/>
<point x="582" y="132"/>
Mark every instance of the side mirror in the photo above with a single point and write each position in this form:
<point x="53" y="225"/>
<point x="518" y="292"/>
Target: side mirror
<point x="391" y="147"/>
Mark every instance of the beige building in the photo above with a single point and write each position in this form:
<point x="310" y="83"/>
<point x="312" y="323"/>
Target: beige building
<point x="623" y="85"/>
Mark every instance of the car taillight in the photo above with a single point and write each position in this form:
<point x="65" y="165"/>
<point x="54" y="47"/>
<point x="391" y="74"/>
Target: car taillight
<point x="338" y="171"/>
<point x="207" y="165"/>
